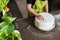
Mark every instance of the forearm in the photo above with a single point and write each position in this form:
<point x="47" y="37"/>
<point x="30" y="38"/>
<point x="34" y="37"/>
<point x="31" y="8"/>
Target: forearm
<point x="30" y="9"/>
<point x="36" y="14"/>
<point x="46" y="7"/>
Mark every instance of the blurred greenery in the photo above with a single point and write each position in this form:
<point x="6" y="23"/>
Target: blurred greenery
<point x="3" y="3"/>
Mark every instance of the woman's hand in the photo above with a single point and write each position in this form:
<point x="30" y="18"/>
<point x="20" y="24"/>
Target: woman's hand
<point x="40" y="17"/>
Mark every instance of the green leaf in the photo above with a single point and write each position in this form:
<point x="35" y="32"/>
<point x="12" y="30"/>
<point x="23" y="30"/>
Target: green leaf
<point x="3" y="3"/>
<point x="6" y="27"/>
<point x="16" y="35"/>
<point x="1" y="38"/>
<point x="7" y="18"/>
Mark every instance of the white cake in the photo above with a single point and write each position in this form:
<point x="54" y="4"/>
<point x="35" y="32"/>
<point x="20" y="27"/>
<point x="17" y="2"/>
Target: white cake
<point x="48" y="23"/>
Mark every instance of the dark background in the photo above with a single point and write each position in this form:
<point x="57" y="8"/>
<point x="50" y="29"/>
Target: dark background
<point x="54" y="5"/>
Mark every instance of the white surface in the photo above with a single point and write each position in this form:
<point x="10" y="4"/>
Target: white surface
<point x="57" y="17"/>
<point x="48" y="22"/>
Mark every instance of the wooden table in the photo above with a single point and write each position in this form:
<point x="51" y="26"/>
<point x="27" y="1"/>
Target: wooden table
<point x="32" y="33"/>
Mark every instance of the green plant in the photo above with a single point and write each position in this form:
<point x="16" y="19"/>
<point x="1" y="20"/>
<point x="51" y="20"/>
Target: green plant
<point x="7" y="31"/>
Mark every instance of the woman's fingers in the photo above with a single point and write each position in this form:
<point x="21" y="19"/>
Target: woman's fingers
<point x="40" y="17"/>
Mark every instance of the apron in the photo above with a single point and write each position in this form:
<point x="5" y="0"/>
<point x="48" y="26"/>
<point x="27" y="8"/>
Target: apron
<point x="38" y="7"/>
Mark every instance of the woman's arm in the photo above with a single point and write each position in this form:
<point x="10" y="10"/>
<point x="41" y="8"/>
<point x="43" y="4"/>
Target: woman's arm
<point x="46" y="7"/>
<point x="29" y="8"/>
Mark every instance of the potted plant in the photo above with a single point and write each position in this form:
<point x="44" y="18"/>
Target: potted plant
<point x="7" y="31"/>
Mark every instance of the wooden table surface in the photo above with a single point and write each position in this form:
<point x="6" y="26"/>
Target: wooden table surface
<point x="32" y="33"/>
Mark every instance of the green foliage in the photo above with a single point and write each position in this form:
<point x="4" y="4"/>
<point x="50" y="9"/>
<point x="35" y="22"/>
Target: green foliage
<point x="16" y="35"/>
<point x="3" y="3"/>
<point x="6" y="26"/>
